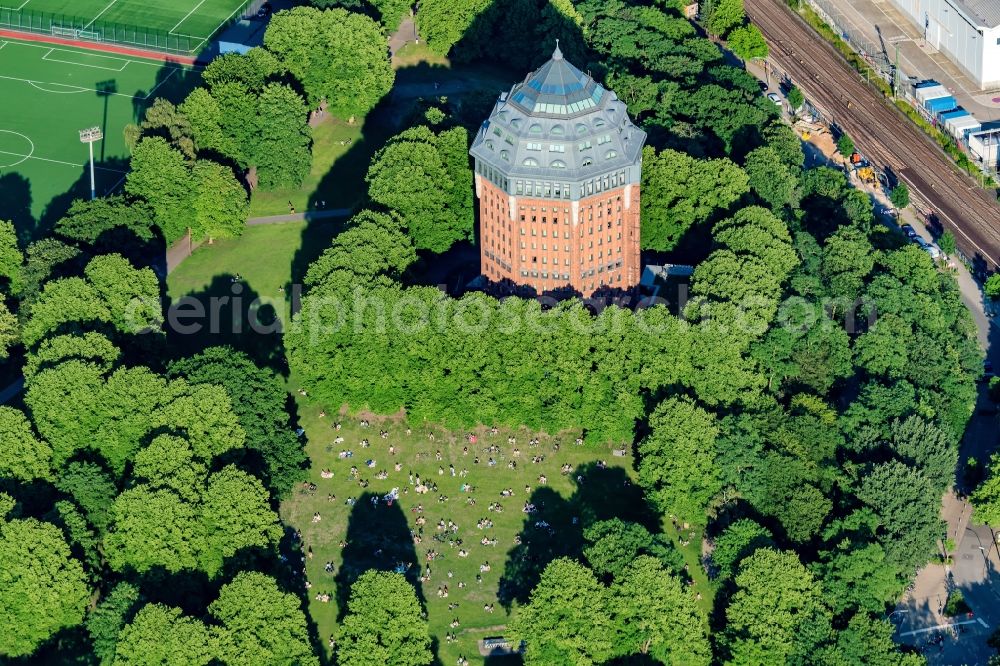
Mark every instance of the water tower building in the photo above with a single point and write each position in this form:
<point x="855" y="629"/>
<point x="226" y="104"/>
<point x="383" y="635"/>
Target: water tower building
<point x="557" y="172"/>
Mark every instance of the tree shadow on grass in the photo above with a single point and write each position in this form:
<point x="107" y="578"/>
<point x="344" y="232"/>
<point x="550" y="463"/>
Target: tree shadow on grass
<point x="15" y="202"/>
<point x="556" y="527"/>
<point x="378" y="537"/>
<point x="228" y="312"/>
<point x="109" y="177"/>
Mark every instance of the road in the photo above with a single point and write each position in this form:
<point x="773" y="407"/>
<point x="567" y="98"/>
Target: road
<point x="880" y="130"/>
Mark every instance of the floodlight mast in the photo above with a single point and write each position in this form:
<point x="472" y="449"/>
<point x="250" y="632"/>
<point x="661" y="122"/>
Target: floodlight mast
<point x="89" y="136"/>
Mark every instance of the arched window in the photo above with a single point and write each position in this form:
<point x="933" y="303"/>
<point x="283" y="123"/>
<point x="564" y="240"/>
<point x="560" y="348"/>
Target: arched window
<point x="530" y="162"/>
<point x="558" y="130"/>
<point x="516" y="123"/>
<point x="587" y="162"/>
<point x="535" y="129"/>
<point x="599" y="123"/>
<point x="611" y="154"/>
<point x="581" y="128"/>
<point x="504" y="156"/>
<point x="558" y="164"/>
<point x="489" y="144"/>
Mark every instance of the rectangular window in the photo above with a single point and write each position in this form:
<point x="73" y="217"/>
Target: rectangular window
<point x="604" y="139"/>
<point x="519" y="187"/>
<point x="584" y="145"/>
<point x="557" y="148"/>
<point x="534" y="146"/>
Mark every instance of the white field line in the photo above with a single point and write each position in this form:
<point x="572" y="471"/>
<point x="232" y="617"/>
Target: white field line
<point x="80" y="64"/>
<point x="196" y="8"/>
<point x="203" y="38"/>
<point x="19" y="8"/>
<point x="173" y="70"/>
<point x="101" y="13"/>
<point x="45" y="159"/>
<point x="72" y="89"/>
<point x="107" y="57"/>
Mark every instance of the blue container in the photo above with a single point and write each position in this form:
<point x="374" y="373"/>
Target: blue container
<point x="927" y="84"/>
<point x="941" y="104"/>
<point x="956" y="113"/>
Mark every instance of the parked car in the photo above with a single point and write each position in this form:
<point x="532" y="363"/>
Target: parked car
<point x="774" y="98"/>
<point x="265" y="10"/>
<point x="926" y="247"/>
<point x="910" y="232"/>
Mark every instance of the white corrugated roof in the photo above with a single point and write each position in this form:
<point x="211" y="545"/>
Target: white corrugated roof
<point x="986" y="12"/>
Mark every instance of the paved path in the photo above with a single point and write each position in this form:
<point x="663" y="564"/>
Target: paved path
<point x="300" y="217"/>
<point x="405" y="33"/>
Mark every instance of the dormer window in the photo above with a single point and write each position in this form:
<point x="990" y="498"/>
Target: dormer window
<point x="535" y="129"/>
<point x="558" y="130"/>
<point x="581" y="128"/>
<point x="558" y="164"/>
<point x="530" y="162"/>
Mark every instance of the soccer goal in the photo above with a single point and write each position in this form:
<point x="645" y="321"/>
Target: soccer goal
<point x="61" y="31"/>
<point x="90" y="34"/>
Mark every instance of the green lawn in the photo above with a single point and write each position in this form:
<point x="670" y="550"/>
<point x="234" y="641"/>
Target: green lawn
<point x="341" y="152"/>
<point x="381" y="536"/>
<point x="49" y="94"/>
<point x="268" y="259"/>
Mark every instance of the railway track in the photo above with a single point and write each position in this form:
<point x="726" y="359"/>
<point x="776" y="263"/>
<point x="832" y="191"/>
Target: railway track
<point x="881" y="131"/>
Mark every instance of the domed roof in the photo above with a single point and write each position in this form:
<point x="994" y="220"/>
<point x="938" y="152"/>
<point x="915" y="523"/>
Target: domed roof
<point x="559" y="124"/>
<point x="557" y="88"/>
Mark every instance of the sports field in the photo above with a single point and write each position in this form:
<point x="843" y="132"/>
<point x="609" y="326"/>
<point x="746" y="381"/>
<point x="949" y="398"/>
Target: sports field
<point x="193" y="20"/>
<point x="51" y="93"/>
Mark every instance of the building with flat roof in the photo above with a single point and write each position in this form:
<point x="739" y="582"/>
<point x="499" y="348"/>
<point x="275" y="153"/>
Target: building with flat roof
<point x="967" y="31"/>
<point x="557" y="171"/>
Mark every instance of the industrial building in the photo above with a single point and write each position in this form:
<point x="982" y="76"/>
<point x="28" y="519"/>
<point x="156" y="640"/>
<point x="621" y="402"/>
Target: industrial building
<point x="985" y="147"/>
<point x="557" y="171"/>
<point x="967" y="31"/>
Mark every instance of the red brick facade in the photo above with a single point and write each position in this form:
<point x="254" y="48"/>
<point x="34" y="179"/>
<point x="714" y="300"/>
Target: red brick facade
<point x="552" y="244"/>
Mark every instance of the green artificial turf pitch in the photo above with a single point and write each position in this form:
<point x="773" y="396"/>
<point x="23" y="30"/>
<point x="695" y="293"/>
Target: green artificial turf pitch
<point x="198" y="19"/>
<point x="51" y="93"/>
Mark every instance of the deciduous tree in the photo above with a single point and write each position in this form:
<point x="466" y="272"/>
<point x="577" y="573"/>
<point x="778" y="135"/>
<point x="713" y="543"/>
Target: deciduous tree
<point x="162" y="635"/>
<point x="42" y="587"/>
<point x="23" y="456"/>
<point x="567" y="620"/>
<point x="679" y="191"/>
<point x="337" y="56"/>
<point x="677" y="460"/>
<point x="656" y="616"/>
<point x="261" y="624"/>
<point x="383" y="624"/>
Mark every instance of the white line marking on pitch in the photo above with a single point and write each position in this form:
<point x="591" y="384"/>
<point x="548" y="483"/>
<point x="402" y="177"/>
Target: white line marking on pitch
<point x="23" y="157"/>
<point x="196" y="7"/>
<point x="101" y="13"/>
<point x="17" y="9"/>
<point x="166" y="78"/>
<point x="140" y="61"/>
<point x="74" y="89"/>
<point x="81" y="64"/>
<point x="45" y="159"/>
